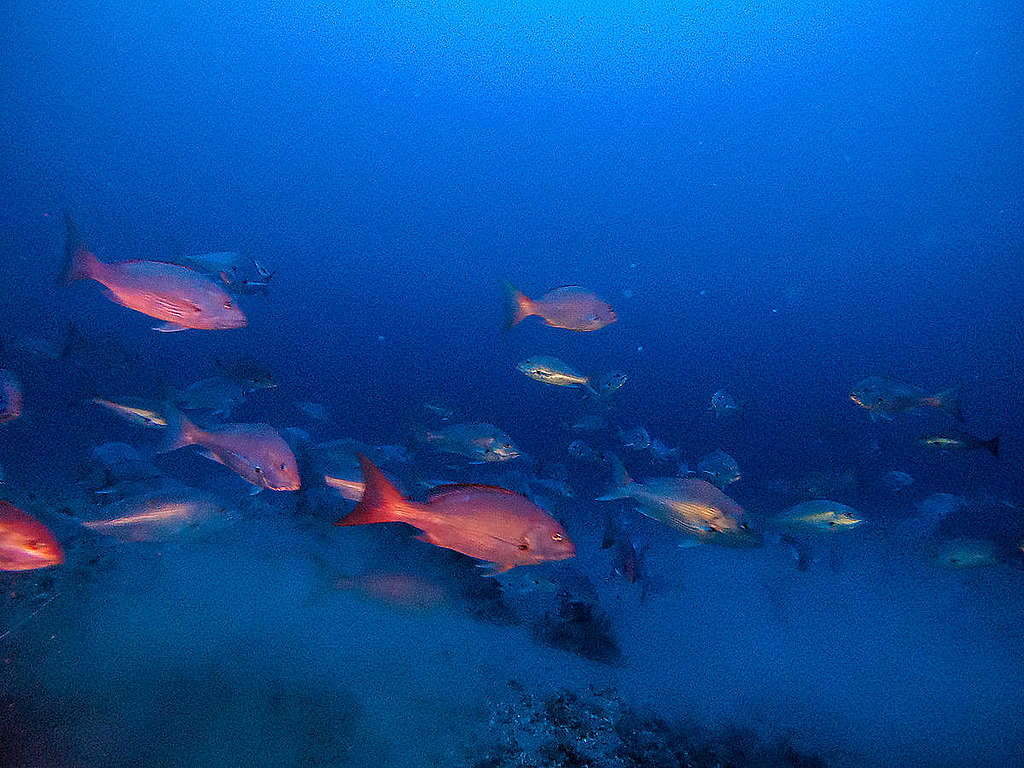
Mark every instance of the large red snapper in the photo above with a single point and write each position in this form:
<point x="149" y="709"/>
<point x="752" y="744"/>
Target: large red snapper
<point x="256" y="452"/>
<point x="488" y="523"/>
<point x="571" y="307"/>
<point x="25" y="543"/>
<point x="180" y="296"/>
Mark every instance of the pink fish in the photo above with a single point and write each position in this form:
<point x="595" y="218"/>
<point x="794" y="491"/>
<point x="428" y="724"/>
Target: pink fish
<point x="180" y="296"/>
<point x="25" y="543"/>
<point x="481" y="521"/>
<point x="571" y="307"/>
<point x="10" y="397"/>
<point x="256" y="452"/>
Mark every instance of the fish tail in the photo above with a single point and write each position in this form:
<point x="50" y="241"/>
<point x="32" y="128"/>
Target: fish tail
<point x="620" y="480"/>
<point x="180" y="431"/>
<point x="947" y="400"/>
<point x="992" y="446"/>
<point x="381" y="502"/>
<point x="517" y="306"/>
<point x="79" y="262"/>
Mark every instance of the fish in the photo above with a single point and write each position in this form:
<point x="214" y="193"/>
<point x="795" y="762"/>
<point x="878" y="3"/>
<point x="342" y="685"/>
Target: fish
<point x="883" y="398"/>
<point x="217" y="394"/>
<point x="135" y="410"/>
<point x="315" y="411"/>
<point x="551" y="370"/>
<point x="966" y="553"/>
<point x="402" y="590"/>
<point x="11" y="399"/>
<point x="250" y="375"/>
<point x="181" y="297"/>
<point x="479" y="441"/>
<point x="441" y="410"/>
<point x="689" y="505"/>
<point x="581" y="451"/>
<point x="25" y="543"/>
<point x="589" y="422"/>
<point x="896" y="480"/>
<point x="719" y="468"/>
<point x="661" y="452"/>
<point x="802" y="551"/>
<point x="611" y="383"/>
<point x="488" y="523"/>
<point x="819" y="515"/>
<point x="960" y="441"/>
<point x="637" y="439"/>
<point x="725" y="406"/>
<point x="570" y="307"/>
<point x="159" y="516"/>
<point x="349" y="489"/>
<point x="255" y="452"/>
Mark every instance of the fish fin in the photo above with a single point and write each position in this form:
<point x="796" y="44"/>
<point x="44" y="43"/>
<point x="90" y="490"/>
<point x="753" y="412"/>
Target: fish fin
<point x="79" y="262"/>
<point x="689" y="543"/>
<point x="517" y="306"/>
<point x="381" y="502"/>
<point x="206" y="453"/>
<point x="495" y="568"/>
<point x="948" y="400"/>
<point x="169" y="328"/>
<point x="255" y="490"/>
<point x="992" y="446"/>
<point x="620" y="480"/>
<point x="180" y="431"/>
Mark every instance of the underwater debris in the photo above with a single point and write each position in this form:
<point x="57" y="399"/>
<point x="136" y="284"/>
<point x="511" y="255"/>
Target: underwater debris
<point x="596" y="729"/>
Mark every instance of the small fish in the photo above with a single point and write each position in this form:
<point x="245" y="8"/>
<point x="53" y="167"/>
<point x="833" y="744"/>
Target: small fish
<point x="570" y="307"/>
<point x="582" y="452"/>
<point x="255" y="452"/>
<point x="819" y="515"/>
<point x="315" y="411"/>
<point x="719" y="468"/>
<point x="484" y="522"/>
<point x="135" y="410"/>
<point x="966" y="553"/>
<point x="159" y="516"/>
<point x="180" y="296"/>
<point x="637" y="439"/>
<point x="11" y="400"/>
<point x="217" y="394"/>
<point x="250" y="375"/>
<point x="589" y="422"/>
<point x="725" y="406"/>
<point x="402" y="590"/>
<point x="349" y="489"/>
<point x="478" y="441"/>
<point x="611" y="383"/>
<point x="960" y="441"/>
<point x="25" y="543"/>
<point x="442" y="411"/>
<point x="883" y="397"/>
<point x="897" y="480"/>
<point x="802" y="552"/>
<point x="661" y="452"/>
<point x="551" y="370"/>
<point x="689" y="505"/>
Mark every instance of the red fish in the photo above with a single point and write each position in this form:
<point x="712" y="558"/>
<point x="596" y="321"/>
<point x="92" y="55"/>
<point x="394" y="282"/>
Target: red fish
<point x="571" y="307"/>
<point x="25" y="543"/>
<point x="482" y="521"/>
<point x="256" y="452"/>
<point x="10" y="397"/>
<point x="180" y="296"/>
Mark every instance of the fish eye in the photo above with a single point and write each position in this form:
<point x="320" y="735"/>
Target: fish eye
<point x="523" y="546"/>
<point x="743" y="526"/>
<point x="283" y="467"/>
<point x="258" y="468"/>
<point x="556" y="536"/>
<point x="197" y="309"/>
<point x="227" y="304"/>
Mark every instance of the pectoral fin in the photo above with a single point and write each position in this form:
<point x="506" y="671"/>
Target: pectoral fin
<point x="169" y="328"/>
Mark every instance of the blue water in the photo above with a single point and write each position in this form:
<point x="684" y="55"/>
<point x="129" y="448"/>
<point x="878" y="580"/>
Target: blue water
<point x="778" y="199"/>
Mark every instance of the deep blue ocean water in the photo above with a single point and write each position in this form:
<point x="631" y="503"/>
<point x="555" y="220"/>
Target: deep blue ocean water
<point x="778" y="199"/>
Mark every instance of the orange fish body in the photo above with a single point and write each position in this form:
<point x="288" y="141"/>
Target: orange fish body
<point x="10" y="397"/>
<point x="255" y="452"/>
<point x="25" y="543"/>
<point x="180" y="296"/>
<point x="570" y="307"/>
<point x="484" y="522"/>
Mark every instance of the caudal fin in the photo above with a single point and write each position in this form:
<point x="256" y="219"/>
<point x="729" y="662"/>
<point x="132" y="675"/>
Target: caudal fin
<point x="381" y="502"/>
<point x="620" y="480"/>
<point x="180" y="431"/>
<point x="79" y="261"/>
<point x="993" y="446"/>
<point x="517" y="306"/>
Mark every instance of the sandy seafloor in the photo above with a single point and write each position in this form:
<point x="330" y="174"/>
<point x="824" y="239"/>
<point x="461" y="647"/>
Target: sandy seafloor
<point x="236" y="649"/>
